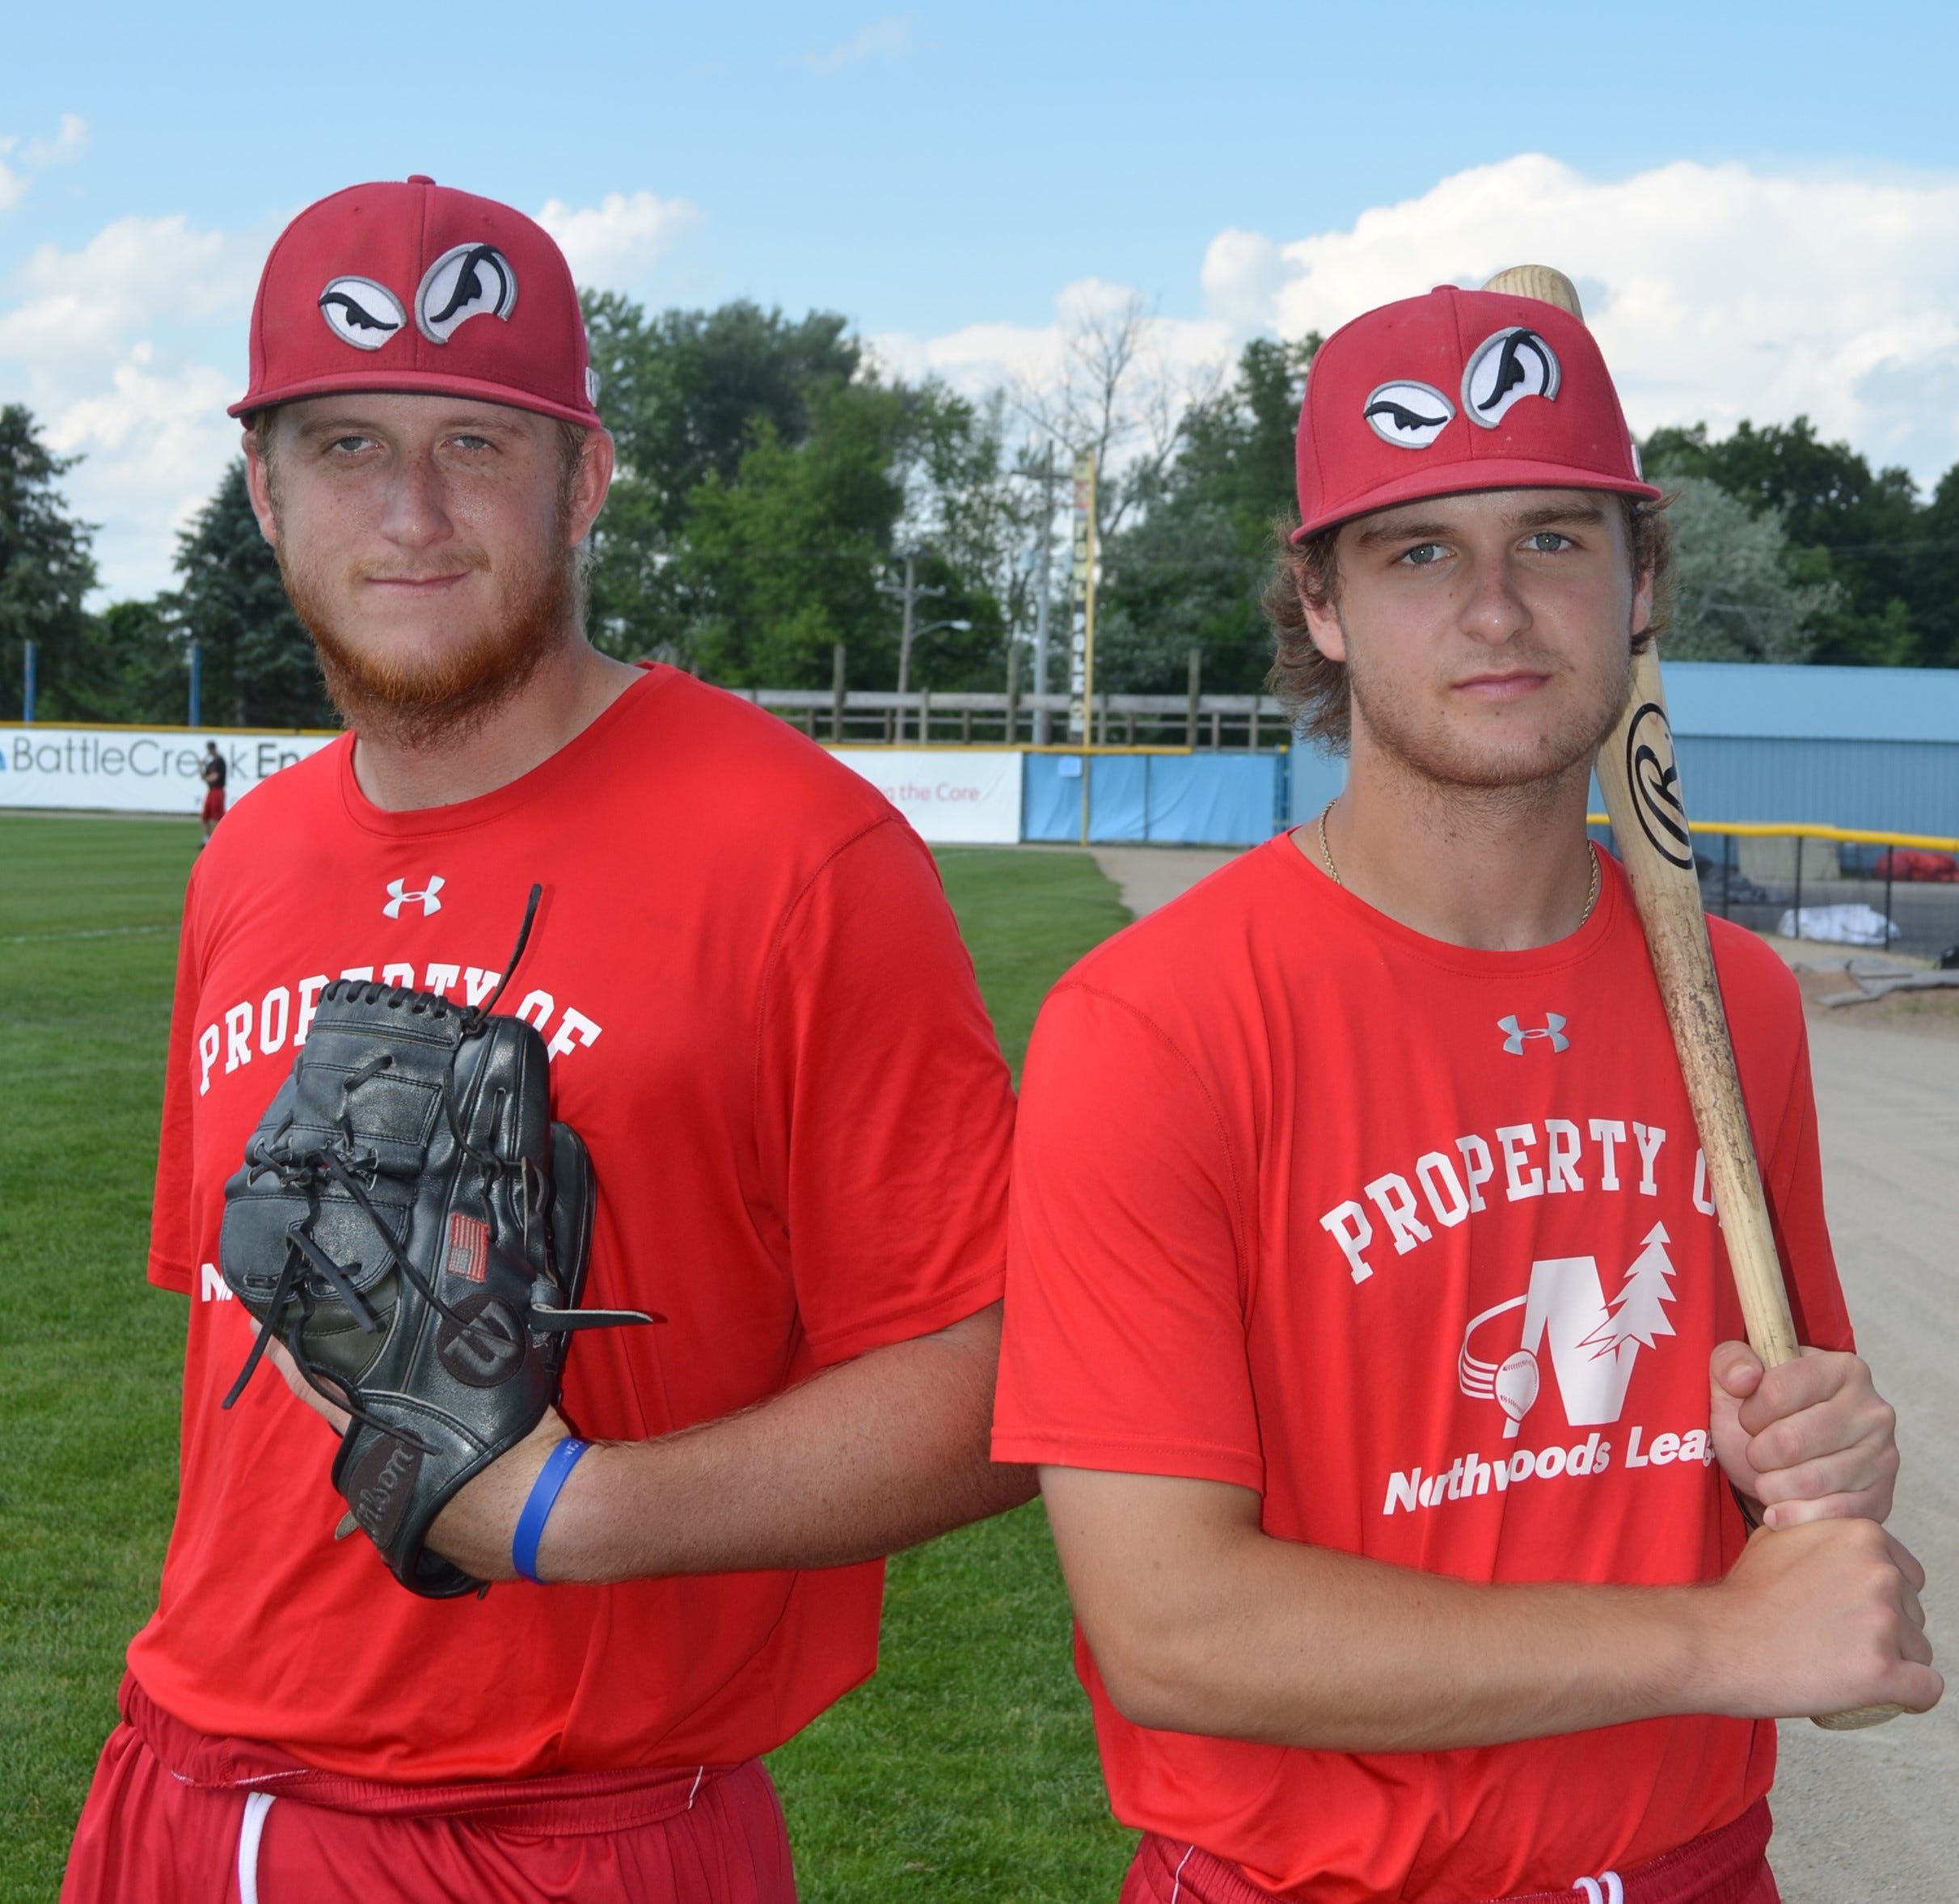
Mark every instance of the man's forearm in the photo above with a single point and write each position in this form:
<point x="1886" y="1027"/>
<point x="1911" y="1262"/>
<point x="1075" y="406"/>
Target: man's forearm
<point x="1333" y="1652"/>
<point x="872" y="1456"/>
<point x="1201" y="1622"/>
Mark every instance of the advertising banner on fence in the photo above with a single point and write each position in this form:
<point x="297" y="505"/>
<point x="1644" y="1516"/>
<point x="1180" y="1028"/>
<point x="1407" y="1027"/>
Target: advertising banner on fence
<point x="970" y="797"/>
<point x="128" y="769"/>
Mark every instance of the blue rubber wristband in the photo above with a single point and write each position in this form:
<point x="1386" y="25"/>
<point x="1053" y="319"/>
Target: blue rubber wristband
<point x="544" y="1497"/>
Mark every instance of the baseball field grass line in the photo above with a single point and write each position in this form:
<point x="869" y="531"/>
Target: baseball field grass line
<point x="965" y="1770"/>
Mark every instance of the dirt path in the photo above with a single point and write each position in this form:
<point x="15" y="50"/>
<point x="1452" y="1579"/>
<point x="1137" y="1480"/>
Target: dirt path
<point x="1150" y="876"/>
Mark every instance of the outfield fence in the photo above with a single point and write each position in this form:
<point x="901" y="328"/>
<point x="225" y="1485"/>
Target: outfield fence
<point x="1200" y="769"/>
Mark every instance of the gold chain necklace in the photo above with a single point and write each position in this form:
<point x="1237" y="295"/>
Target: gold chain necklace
<point x="1326" y="853"/>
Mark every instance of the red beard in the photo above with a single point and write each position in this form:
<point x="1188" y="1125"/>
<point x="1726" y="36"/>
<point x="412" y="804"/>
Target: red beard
<point x="416" y="702"/>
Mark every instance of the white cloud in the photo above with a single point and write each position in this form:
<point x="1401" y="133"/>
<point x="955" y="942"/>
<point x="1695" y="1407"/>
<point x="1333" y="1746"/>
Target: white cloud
<point x="110" y="346"/>
<point x="70" y="141"/>
<point x="70" y="138"/>
<point x="889" y="38"/>
<point x="1717" y="292"/>
<point x="977" y="357"/>
<point x="132" y="273"/>
<point x="613" y="242"/>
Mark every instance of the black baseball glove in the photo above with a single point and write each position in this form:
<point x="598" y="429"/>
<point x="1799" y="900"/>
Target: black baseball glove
<point x="413" y="1226"/>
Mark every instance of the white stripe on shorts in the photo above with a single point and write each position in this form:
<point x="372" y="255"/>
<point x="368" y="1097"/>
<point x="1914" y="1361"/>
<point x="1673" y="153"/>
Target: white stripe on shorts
<point x="257" y="1805"/>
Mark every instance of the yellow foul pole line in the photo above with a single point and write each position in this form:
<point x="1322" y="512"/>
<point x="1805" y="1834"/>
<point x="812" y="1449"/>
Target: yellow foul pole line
<point x="1081" y="636"/>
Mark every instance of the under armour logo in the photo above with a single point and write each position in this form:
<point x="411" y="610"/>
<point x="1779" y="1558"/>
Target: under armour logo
<point x="399" y="895"/>
<point x="1515" y="1034"/>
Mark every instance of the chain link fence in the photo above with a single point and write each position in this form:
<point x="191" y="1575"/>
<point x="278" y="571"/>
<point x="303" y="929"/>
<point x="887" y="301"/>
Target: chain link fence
<point x="1834" y="886"/>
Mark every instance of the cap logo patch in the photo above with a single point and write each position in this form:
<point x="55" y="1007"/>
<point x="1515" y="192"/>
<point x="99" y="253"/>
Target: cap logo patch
<point x="1504" y="369"/>
<point x="470" y="280"/>
<point x="360" y="312"/>
<point x="1410" y="415"/>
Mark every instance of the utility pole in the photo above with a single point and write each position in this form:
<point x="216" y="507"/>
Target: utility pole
<point x="197" y="718"/>
<point x="1045" y="585"/>
<point x="911" y="593"/>
<point x="27" y="683"/>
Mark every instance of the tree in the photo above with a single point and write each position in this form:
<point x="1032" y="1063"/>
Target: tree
<point x="1639" y="1311"/>
<point x="1737" y="597"/>
<point x="1851" y="526"/>
<point x="783" y="560"/>
<point x="46" y="568"/>
<point x="1190" y="570"/>
<point x="135" y="667"/>
<point x="258" y="664"/>
<point x="687" y="395"/>
<point x="769" y="477"/>
<point x="1934" y="601"/>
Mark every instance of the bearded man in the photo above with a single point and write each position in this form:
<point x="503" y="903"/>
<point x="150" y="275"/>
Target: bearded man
<point x="761" y="1020"/>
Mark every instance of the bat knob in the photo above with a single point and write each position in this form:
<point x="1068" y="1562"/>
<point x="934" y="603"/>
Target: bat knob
<point x="1858" y="1718"/>
<point x="1543" y="282"/>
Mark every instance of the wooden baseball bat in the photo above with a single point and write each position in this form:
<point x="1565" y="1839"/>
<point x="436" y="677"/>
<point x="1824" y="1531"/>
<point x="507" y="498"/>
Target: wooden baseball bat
<point x="1641" y="778"/>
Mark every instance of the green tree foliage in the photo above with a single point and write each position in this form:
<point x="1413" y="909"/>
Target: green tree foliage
<point x="258" y="664"/>
<point x="137" y="668"/>
<point x="768" y="481"/>
<point x="1737" y="597"/>
<point x="686" y="394"/>
<point x="1845" y="523"/>
<point x="45" y="571"/>
<point x="1189" y="570"/>
<point x="782" y="560"/>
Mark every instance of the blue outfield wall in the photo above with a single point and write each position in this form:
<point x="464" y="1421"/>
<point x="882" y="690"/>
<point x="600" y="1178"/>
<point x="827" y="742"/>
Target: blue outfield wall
<point x="1875" y="748"/>
<point x="1226" y="799"/>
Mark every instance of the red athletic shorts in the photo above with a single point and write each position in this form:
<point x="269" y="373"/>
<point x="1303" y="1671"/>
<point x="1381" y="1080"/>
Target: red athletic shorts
<point x="175" y="1817"/>
<point x="214" y="804"/>
<point x="1726" y="1867"/>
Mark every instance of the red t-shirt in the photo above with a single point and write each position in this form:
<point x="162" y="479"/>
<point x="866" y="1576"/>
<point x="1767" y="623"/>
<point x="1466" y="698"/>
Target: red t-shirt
<point x="763" y="1022"/>
<point x="1415" y="1242"/>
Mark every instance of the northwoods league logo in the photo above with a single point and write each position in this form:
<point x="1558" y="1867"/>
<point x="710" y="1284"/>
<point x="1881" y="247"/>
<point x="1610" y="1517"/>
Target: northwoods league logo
<point x="1593" y="1343"/>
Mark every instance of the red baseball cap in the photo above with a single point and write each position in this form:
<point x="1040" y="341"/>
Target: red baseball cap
<point x="1458" y="390"/>
<point x="417" y="287"/>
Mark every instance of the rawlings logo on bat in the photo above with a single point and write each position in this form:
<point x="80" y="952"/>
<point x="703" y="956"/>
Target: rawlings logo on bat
<point x="1653" y="774"/>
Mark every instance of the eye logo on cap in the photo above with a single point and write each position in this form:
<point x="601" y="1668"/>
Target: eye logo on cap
<point x="360" y="312"/>
<point x="470" y="280"/>
<point x="1504" y="369"/>
<point x="1410" y="415"/>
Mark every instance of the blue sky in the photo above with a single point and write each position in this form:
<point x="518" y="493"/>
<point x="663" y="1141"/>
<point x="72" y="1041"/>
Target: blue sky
<point x="944" y="175"/>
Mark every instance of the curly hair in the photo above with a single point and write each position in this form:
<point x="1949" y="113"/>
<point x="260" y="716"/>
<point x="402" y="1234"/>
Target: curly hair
<point x="1314" y="691"/>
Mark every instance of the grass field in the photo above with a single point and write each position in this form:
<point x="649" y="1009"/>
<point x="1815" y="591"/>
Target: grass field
<point x="965" y="1770"/>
